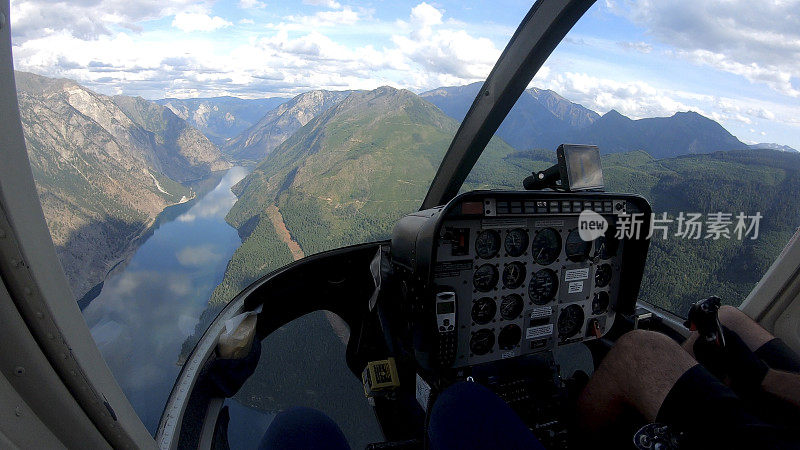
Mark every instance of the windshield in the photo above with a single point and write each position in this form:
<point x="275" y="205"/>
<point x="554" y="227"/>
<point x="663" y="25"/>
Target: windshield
<point x="688" y="120"/>
<point x="183" y="151"/>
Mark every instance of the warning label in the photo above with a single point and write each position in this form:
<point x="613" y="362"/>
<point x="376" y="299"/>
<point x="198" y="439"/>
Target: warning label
<point x="576" y="274"/>
<point x="575" y="287"/>
<point x="508" y="354"/>
<point x="544" y="311"/>
<point x="447" y="269"/>
<point x="537" y="332"/>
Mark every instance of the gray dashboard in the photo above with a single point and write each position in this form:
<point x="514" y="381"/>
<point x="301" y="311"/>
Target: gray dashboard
<point x="523" y="279"/>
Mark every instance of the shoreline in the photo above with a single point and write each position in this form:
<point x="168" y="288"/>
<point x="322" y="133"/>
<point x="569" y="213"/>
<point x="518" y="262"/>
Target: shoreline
<point x="199" y="188"/>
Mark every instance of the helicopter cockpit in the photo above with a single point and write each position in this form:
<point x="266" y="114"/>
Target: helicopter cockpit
<point x="516" y="290"/>
<point x="524" y="292"/>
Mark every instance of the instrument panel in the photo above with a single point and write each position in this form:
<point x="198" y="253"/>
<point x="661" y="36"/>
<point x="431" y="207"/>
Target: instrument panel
<point x="523" y="280"/>
<point x="494" y="275"/>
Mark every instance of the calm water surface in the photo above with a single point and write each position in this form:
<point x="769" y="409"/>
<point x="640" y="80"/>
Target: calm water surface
<point x="145" y="311"/>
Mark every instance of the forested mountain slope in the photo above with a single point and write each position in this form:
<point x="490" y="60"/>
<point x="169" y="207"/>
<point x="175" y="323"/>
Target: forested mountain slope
<point x="277" y="125"/>
<point x="105" y="167"/>
<point x="343" y="178"/>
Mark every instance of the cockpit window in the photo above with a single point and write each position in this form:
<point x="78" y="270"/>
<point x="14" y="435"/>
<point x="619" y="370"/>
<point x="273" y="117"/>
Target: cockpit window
<point x="679" y="118"/>
<point x="182" y="152"/>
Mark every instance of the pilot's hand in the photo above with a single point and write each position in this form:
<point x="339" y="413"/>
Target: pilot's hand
<point x="734" y="361"/>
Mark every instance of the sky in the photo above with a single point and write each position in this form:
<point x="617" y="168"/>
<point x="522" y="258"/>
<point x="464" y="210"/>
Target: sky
<point x="721" y="58"/>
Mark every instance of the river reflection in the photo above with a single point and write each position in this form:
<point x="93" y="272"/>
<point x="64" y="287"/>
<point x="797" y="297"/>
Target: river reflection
<point x="144" y="313"/>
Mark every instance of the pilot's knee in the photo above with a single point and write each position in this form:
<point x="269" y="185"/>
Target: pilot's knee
<point x="729" y="315"/>
<point x="641" y="343"/>
<point x="636" y="339"/>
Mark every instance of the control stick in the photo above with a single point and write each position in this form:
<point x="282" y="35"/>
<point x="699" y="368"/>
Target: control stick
<point x="704" y="318"/>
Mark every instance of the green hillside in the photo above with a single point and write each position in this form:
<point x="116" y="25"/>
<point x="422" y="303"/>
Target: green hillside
<point x="349" y="174"/>
<point x="680" y="271"/>
<point x="344" y="178"/>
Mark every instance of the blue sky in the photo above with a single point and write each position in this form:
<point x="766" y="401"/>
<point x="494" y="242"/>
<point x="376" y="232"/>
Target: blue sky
<point x="642" y="58"/>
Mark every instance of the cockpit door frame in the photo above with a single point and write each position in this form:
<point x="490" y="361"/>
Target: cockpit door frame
<point x="49" y="357"/>
<point x="542" y="29"/>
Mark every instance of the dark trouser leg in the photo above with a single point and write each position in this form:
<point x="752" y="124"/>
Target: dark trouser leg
<point x="303" y="428"/>
<point x="470" y="416"/>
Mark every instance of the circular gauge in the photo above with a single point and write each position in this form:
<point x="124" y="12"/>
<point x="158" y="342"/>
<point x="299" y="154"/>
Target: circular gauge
<point x="543" y="287"/>
<point x="509" y="337"/>
<point x="605" y="247"/>
<point x="513" y="275"/>
<point x="576" y="248"/>
<point x="602" y="275"/>
<point x="511" y="307"/>
<point x="485" y="277"/>
<point x="546" y="246"/>
<point x="600" y="302"/>
<point x="487" y="244"/>
<point x="570" y="321"/>
<point x="481" y="342"/>
<point x="483" y="310"/>
<point x="516" y="242"/>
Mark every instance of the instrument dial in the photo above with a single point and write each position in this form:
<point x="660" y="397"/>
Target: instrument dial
<point x="509" y="337"/>
<point x="481" y="342"/>
<point x="546" y="246"/>
<point x="487" y="244"/>
<point x="511" y="307"/>
<point x="485" y="277"/>
<point x="513" y="275"/>
<point x="600" y="302"/>
<point x="543" y="286"/>
<point x="516" y="242"/>
<point x="570" y="321"/>
<point x="576" y="248"/>
<point x="602" y="275"/>
<point x="605" y="247"/>
<point x="483" y="310"/>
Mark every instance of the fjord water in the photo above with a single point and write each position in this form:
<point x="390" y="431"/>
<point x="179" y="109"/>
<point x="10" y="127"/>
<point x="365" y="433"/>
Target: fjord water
<point x="145" y="311"/>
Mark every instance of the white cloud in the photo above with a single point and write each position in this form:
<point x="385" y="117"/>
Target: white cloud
<point x="759" y="41"/>
<point x="250" y="4"/>
<point x="633" y="99"/>
<point x="775" y="78"/>
<point x="198" y="21"/>
<point x="423" y="18"/>
<point x="246" y="21"/>
<point x="198" y="256"/>
<point x="641" y="47"/>
<point x="638" y="99"/>
<point x="322" y="19"/>
<point x="325" y="3"/>
<point x="31" y="19"/>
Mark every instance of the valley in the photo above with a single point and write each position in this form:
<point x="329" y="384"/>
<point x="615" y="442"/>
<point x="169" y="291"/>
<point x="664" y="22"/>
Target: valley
<point x="105" y="167"/>
<point x="334" y="168"/>
<point x="348" y="175"/>
<point x="122" y="180"/>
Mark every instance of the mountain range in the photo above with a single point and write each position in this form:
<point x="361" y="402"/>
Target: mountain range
<point x="256" y="142"/>
<point x="773" y="146"/>
<point x="350" y="172"/>
<point x="105" y="167"/>
<point x="221" y="118"/>
<point x="543" y="119"/>
<point x="346" y="177"/>
<point x="341" y="166"/>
